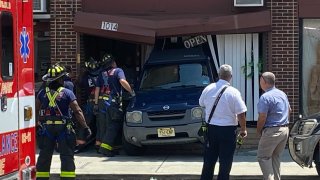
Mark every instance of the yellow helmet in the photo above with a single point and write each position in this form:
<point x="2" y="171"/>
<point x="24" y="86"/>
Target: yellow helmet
<point x="55" y="72"/>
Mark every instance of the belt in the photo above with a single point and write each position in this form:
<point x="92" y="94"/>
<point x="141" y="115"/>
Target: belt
<point x="283" y="125"/>
<point x="55" y="122"/>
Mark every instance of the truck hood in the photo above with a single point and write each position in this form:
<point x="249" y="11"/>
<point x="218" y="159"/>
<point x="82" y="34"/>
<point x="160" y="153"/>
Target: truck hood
<point x="186" y="96"/>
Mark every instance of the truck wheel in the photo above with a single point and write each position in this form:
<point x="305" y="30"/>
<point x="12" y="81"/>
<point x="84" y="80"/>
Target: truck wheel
<point x="131" y="149"/>
<point x="316" y="158"/>
<point x="318" y="168"/>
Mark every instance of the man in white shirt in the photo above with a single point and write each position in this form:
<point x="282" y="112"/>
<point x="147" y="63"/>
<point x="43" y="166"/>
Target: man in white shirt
<point x="222" y="129"/>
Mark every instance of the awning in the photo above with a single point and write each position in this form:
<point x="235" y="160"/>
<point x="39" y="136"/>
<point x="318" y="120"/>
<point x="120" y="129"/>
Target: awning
<point x="129" y="29"/>
<point x="145" y="29"/>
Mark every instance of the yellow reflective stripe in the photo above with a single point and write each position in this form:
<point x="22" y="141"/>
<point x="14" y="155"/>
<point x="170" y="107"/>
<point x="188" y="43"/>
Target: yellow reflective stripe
<point x="54" y="122"/>
<point x="42" y="174"/>
<point x="68" y="174"/>
<point x="53" y="73"/>
<point x="52" y="98"/>
<point x="106" y="146"/>
<point x="104" y="97"/>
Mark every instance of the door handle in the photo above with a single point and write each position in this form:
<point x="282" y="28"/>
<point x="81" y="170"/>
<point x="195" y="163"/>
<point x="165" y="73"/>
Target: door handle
<point x="4" y="102"/>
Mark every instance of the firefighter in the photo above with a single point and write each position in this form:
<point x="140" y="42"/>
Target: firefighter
<point x="109" y="95"/>
<point x="55" y="103"/>
<point x="88" y="83"/>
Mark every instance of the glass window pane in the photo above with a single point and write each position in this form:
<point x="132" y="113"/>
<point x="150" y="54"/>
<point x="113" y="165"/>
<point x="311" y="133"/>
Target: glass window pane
<point x="175" y="76"/>
<point x="7" y="55"/>
<point x="311" y="66"/>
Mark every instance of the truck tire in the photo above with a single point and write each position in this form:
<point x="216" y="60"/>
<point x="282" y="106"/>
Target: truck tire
<point x="318" y="168"/>
<point x="130" y="149"/>
<point x="316" y="158"/>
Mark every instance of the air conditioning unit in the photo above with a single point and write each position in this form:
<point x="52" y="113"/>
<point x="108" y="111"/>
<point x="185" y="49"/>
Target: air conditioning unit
<point x="248" y="3"/>
<point x="39" y="6"/>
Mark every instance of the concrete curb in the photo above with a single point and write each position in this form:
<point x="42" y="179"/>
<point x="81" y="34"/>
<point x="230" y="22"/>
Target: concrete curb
<point x="172" y="177"/>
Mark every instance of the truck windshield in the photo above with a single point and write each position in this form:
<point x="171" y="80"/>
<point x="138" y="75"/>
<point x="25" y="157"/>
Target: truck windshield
<point x="175" y="76"/>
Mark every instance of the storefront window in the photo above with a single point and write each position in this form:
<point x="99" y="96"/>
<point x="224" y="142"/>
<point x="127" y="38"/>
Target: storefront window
<point x="311" y="66"/>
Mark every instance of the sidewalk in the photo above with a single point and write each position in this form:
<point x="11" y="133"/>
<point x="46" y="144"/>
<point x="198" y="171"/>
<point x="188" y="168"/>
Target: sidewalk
<point x="91" y="165"/>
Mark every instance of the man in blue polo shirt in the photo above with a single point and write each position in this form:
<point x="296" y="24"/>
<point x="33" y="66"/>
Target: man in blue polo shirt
<point x="272" y="126"/>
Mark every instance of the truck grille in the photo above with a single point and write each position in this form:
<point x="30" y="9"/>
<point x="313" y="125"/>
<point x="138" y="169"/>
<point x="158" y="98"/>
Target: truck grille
<point x="166" y="115"/>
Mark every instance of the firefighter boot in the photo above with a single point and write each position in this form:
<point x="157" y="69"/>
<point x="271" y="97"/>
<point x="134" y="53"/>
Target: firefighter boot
<point x="106" y="150"/>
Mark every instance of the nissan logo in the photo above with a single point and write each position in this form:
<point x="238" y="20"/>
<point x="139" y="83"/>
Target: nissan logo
<point x="166" y="107"/>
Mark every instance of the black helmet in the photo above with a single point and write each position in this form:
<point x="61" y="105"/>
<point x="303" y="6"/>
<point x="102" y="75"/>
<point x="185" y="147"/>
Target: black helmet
<point x="107" y="60"/>
<point x="93" y="66"/>
<point x="55" y="72"/>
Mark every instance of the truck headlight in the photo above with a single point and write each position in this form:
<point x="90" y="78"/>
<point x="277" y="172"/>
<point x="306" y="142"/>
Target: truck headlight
<point x="134" y="117"/>
<point x="196" y="113"/>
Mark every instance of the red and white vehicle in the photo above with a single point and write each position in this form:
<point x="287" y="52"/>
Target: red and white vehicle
<point x="17" y="96"/>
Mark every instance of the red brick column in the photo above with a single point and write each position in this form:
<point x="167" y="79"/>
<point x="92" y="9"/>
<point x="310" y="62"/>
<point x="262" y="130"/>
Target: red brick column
<point x="283" y="55"/>
<point x="63" y="37"/>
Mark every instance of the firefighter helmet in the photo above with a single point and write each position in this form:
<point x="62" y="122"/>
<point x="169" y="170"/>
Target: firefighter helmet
<point x="55" y="72"/>
<point x="93" y="66"/>
<point x="107" y="60"/>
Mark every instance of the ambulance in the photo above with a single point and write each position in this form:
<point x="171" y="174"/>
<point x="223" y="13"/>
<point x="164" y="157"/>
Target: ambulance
<point x="17" y="96"/>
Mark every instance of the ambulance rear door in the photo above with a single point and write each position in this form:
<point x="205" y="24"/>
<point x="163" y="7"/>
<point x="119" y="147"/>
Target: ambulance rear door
<point x="9" y="102"/>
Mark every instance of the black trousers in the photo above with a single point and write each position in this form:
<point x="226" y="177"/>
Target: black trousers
<point x="221" y="144"/>
<point x="115" y="122"/>
<point x="66" y="145"/>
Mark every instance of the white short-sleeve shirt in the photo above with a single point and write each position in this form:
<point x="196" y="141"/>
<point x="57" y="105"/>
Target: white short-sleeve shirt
<point x="229" y="105"/>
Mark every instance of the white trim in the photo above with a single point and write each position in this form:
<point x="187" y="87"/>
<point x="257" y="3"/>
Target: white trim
<point x="249" y="98"/>
<point x="26" y="101"/>
<point x="256" y="75"/>
<point x="213" y="52"/>
<point x="242" y="56"/>
<point x="9" y="118"/>
<point x="236" y="3"/>
<point x="220" y="44"/>
<point x="41" y="16"/>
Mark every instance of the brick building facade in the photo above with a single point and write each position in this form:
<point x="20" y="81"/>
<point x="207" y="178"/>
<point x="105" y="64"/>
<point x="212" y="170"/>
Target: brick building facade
<point x="281" y="43"/>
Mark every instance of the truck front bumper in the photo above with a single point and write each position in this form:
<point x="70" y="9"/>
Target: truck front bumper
<point x="140" y="136"/>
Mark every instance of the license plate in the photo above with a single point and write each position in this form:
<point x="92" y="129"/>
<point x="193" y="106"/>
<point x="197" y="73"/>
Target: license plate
<point x="166" y="132"/>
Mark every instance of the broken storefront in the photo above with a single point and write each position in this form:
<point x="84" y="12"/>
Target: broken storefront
<point x="228" y="35"/>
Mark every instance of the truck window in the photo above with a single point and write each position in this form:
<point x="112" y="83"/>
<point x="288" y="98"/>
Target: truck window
<point x="174" y="76"/>
<point x="6" y="45"/>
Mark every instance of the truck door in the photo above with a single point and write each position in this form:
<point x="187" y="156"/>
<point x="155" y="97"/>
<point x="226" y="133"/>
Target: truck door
<point x="8" y="96"/>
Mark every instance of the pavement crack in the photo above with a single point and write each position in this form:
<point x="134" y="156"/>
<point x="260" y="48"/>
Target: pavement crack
<point x="165" y="159"/>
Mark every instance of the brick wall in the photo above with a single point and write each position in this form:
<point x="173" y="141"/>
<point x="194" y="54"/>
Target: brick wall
<point x="63" y="37"/>
<point x="283" y="52"/>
